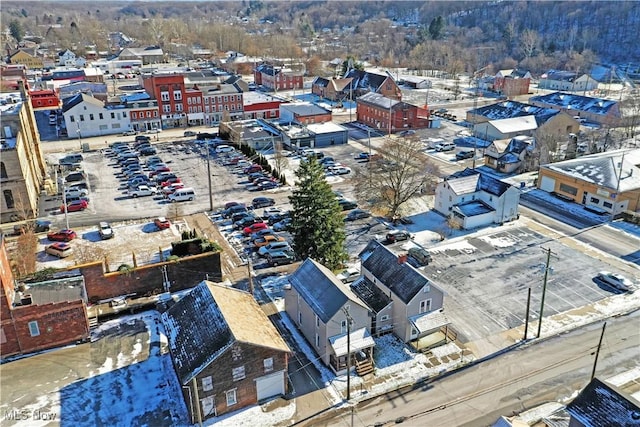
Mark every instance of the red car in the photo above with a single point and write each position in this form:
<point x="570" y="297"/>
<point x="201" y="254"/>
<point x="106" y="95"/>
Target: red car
<point x="170" y="181"/>
<point x="63" y="235"/>
<point x="78" y="205"/>
<point x="162" y="223"/>
<point x="254" y="227"/>
<point x="159" y="170"/>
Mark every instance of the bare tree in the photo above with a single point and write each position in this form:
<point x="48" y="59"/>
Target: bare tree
<point x="529" y="42"/>
<point x="386" y="183"/>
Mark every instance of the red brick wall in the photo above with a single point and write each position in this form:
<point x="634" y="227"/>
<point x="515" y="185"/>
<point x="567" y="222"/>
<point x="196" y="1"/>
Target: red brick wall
<point x="147" y="280"/>
<point x="9" y="343"/>
<point x="6" y="281"/>
<point x="249" y="356"/>
<point x="58" y="323"/>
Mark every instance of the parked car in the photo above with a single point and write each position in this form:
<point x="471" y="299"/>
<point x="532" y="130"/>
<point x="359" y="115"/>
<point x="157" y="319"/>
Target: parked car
<point x="64" y="235"/>
<point x="267" y="185"/>
<point x="75" y="192"/>
<point x="398" y="235"/>
<point x="227" y="213"/>
<point x="265" y="240"/>
<point x="182" y="195"/>
<point x="347" y="205"/>
<point x="75" y="206"/>
<point x="188" y="133"/>
<point x="59" y="249"/>
<point x="156" y="130"/>
<point x="421" y="255"/>
<point x="75" y="177"/>
<point x="105" y="231"/>
<point x="283" y="225"/>
<point x="357" y="214"/>
<point x="349" y="275"/>
<point x="142" y="138"/>
<point x="245" y="221"/>
<point x="142" y="191"/>
<point x="253" y="168"/>
<point x="171" y="188"/>
<point x="280" y="258"/>
<point x="129" y="133"/>
<point x="247" y="231"/>
<point x="340" y="170"/>
<point x="445" y="146"/>
<point x="162" y="223"/>
<point x="361" y="156"/>
<point x="261" y="202"/>
<point x="618" y="281"/>
<point x="38" y="226"/>
<point x="273" y="247"/>
<point x="465" y="154"/>
<point x="147" y="151"/>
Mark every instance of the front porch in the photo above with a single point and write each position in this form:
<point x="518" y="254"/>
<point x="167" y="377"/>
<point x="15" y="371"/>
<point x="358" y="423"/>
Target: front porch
<point x="432" y="330"/>
<point x="359" y="346"/>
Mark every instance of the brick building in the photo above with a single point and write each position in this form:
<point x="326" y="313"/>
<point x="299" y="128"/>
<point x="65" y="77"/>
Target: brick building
<point x="389" y="115"/>
<point x="45" y="99"/>
<point x="39" y="316"/>
<point x="277" y="78"/>
<point x="226" y="352"/>
<point x="170" y="92"/>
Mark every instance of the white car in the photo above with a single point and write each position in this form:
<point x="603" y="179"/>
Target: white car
<point x="618" y="281"/>
<point x="339" y="170"/>
<point x="349" y="275"/>
<point x="156" y="130"/>
<point x="142" y="191"/>
<point x="273" y="247"/>
<point x="73" y="192"/>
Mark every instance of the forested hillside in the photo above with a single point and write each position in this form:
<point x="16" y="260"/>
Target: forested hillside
<point x="452" y="36"/>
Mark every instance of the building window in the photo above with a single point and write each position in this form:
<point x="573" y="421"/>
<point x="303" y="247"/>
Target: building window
<point x="238" y="373"/>
<point x="8" y="199"/>
<point x="178" y="107"/>
<point x="206" y="100"/>
<point x="268" y="364"/>
<point x="231" y="397"/>
<point x="134" y="115"/>
<point x="594" y="200"/>
<point x="82" y="117"/>
<point x="124" y="114"/>
<point x="299" y="318"/>
<point x="3" y="170"/>
<point x="317" y="321"/>
<point x="207" y="383"/>
<point x="166" y="108"/>
<point x="384" y="318"/>
<point x="607" y="205"/>
<point x="343" y="326"/>
<point x="72" y="119"/>
<point x="100" y="116"/>
<point x="149" y="114"/>
<point x="164" y="96"/>
<point x="568" y="189"/>
<point x="226" y="99"/>
<point x="177" y="95"/>
<point x="113" y="115"/>
<point x="317" y="341"/>
<point x="425" y="306"/>
<point x="90" y="116"/>
<point x="155" y="114"/>
<point x="33" y="328"/>
<point x="189" y="101"/>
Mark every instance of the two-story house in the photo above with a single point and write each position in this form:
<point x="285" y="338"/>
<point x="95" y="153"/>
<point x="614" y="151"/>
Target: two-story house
<point x="66" y="58"/>
<point x="508" y="155"/>
<point x="321" y="306"/>
<point x="512" y="82"/>
<point x="226" y="352"/>
<point x="567" y="81"/>
<point x="475" y="200"/>
<point x="86" y="116"/>
<point x="332" y="89"/>
<point x="363" y="82"/>
<point x="390" y="115"/>
<point x="402" y="299"/>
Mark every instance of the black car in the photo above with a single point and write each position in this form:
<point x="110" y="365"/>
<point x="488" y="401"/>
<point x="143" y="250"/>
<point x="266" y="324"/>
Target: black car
<point x="75" y="177"/>
<point x="347" y="205"/>
<point x="148" y="151"/>
<point x="465" y="154"/>
<point x="246" y="221"/>
<point x="38" y="226"/>
<point x="397" y="235"/>
<point x="262" y="202"/>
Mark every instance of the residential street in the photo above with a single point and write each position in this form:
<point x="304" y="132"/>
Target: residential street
<point x="518" y="380"/>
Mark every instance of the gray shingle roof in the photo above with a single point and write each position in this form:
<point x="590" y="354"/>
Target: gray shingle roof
<point x="364" y="80"/>
<point x="378" y="100"/>
<point x="462" y="182"/>
<point x="321" y="289"/>
<point x="600" y="404"/>
<point x="403" y="280"/>
<point x="370" y="294"/>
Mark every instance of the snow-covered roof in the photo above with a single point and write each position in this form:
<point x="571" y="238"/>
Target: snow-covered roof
<point x="473" y="208"/>
<point x="426" y="322"/>
<point x="576" y="102"/>
<point x="510" y="109"/>
<point x="600" y="404"/>
<point x="359" y="340"/>
<point x="403" y="280"/>
<point x="612" y="169"/>
<point x="462" y="182"/>
<point x="304" y="109"/>
<point x="321" y="289"/>
<point x="378" y="100"/>
<point x="515" y="124"/>
<point x="209" y="320"/>
<point x="326" y="127"/>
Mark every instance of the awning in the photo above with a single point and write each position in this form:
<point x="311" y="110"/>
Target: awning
<point x="428" y="322"/>
<point x="360" y="340"/>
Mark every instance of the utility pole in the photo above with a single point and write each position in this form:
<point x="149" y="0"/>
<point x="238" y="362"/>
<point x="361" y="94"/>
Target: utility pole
<point x="209" y="177"/>
<point x="349" y="320"/>
<point x="544" y="288"/>
<point x="595" y="361"/>
<point x="64" y="202"/>
<point x="197" y="402"/>
<point x="526" y="321"/>
<point x="250" y="277"/>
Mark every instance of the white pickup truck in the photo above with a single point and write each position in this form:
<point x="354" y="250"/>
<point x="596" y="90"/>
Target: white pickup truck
<point x="142" y="191"/>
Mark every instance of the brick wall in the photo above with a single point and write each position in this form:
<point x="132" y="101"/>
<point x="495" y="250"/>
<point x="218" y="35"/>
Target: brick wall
<point x="249" y="356"/>
<point x="147" y="280"/>
<point x="57" y="324"/>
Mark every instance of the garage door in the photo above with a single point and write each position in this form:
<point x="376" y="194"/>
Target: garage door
<point x="270" y="385"/>
<point x="548" y="184"/>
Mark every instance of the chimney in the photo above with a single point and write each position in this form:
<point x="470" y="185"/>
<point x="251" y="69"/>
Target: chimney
<point x="402" y="258"/>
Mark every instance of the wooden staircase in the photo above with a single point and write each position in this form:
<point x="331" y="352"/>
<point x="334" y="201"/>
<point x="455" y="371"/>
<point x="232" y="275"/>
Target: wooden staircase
<point x="364" y="367"/>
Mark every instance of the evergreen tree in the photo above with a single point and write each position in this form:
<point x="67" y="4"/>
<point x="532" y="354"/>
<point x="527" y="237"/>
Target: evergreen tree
<point x="15" y="29"/>
<point x="436" y="28"/>
<point x="317" y="224"/>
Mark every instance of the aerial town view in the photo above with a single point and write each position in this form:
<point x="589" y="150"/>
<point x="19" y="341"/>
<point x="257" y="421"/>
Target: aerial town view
<point x="320" y="213"/>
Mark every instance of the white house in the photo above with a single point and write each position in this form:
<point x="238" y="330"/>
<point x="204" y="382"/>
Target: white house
<point x="506" y="128"/>
<point x="86" y="116"/>
<point x="567" y="81"/>
<point x="475" y="200"/>
<point x="66" y="58"/>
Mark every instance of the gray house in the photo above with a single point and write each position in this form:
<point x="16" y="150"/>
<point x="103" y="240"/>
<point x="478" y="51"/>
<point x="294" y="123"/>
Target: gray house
<point x="319" y="304"/>
<point x="412" y="304"/>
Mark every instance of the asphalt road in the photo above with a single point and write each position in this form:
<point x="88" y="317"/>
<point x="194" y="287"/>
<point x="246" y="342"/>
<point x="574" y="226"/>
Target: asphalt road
<point x="551" y="370"/>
